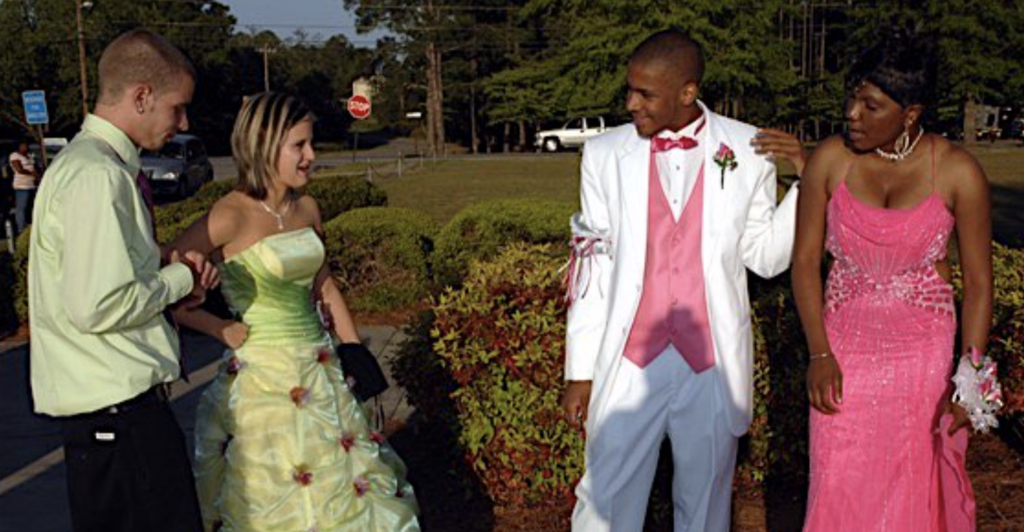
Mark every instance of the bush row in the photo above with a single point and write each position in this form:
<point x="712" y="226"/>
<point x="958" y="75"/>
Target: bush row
<point x="380" y="256"/>
<point x="20" y="265"/>
<point x="493" y="348"/>
<point x="481" y="230"/>
<point x="334" y="195"/>
<point x="1006" y="344"/>
<point x="8" y="319"/>
<point x="388" y="259"/>
<point x="384" y="259"/>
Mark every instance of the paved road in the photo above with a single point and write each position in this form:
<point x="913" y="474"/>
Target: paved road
<point x="33" y="497"/>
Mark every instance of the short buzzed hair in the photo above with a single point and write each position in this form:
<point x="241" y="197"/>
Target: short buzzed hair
<point x="140" y="56"/>
<point x="674" y="49"/>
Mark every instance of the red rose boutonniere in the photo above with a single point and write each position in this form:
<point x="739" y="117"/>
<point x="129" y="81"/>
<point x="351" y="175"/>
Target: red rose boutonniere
<point x="725" y="158"/>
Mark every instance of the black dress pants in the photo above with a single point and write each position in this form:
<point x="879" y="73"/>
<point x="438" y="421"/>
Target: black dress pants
<point x="128" y="471"/>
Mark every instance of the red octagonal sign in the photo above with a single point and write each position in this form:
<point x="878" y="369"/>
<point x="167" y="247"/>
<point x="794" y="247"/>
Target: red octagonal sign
<point x="359" y="106"/>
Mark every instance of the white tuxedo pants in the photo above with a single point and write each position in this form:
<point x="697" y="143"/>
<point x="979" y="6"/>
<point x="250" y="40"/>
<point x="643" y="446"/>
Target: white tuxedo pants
<point x="645" y="405"/>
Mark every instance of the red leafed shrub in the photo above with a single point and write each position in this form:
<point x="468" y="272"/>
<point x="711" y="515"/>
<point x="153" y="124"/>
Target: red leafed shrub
<point x="501" y="338"/>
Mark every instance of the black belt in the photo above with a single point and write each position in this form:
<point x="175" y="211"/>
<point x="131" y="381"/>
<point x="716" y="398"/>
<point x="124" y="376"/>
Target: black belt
<point x="159" y="394"/>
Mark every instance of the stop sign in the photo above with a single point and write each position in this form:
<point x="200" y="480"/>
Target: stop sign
<point x="359" y="106"/>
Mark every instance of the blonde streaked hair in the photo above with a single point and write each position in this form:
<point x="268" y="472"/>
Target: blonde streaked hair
<point x="260" y="129"/>
<point x="141" y="56"/>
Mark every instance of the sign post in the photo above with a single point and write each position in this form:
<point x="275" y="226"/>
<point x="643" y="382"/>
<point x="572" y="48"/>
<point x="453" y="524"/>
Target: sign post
<point x="359" y="107"/>
<point x="37" y="115"/>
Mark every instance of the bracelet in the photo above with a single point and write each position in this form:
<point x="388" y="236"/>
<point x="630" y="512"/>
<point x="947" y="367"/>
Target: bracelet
<point x="816" y="356"/>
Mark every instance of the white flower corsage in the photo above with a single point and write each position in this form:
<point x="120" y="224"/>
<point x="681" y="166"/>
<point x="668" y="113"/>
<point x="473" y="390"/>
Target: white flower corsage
<point x="580" y="268"/>
<point x="977" y="389"/>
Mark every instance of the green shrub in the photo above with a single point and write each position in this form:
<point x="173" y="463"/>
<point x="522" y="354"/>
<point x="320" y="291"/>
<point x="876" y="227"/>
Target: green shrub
<point x="168" y="233"/>
<point x="479" y="231"/>
<point x="1006" y="343"/>
<point x="8" y="319"/>
<point x="336" y="195"/>
<point x="173" y="218"/>
<point x="500" y="343"/>
<point x="501" y="338"/>
<point x="776" y="443"/>
<point x="380" y="256"/>
<point x="20" y="265"/>
<point x="333" y="194"/>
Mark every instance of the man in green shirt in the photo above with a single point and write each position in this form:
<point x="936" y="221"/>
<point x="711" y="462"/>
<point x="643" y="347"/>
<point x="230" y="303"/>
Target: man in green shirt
<point x="102" y="352"/>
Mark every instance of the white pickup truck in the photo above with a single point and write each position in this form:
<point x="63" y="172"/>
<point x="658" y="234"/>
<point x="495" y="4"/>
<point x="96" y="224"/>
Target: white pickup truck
<point x="572" y="135"/>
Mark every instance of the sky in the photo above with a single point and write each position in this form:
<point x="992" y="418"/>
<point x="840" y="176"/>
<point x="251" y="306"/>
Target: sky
<point x="322" y="18"/>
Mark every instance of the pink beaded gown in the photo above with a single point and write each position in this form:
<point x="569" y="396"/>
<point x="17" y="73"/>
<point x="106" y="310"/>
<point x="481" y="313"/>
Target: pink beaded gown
<point x="889" y="316"/>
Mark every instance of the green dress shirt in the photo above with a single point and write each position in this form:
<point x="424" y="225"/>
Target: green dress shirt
<point x="96" y="288"/>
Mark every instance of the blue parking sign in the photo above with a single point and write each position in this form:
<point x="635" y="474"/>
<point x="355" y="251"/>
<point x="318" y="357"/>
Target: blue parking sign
<point x="35" y="107"/>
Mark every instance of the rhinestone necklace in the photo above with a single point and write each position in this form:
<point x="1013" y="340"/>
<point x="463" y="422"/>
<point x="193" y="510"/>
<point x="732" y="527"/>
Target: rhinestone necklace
<point x="279" y="215"/>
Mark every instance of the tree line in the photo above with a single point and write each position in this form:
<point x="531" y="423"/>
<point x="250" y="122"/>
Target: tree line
<point x="38" y="39"/>
<point x="487" y="74"/>
<point x="492" y="71"/>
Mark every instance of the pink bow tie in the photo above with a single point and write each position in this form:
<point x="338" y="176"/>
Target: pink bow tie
<point x="684" y="143"/>
<point x="664" y="144"/>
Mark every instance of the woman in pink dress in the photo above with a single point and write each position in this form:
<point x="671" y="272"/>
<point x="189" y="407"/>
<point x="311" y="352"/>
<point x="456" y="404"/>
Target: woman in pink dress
<point x="883" y="200"/>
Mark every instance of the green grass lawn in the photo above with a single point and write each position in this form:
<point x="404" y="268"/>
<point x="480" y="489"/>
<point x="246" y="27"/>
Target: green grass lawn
<point x="444" y="188"/>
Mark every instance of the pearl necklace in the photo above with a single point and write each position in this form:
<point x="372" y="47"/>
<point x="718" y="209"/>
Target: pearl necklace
<point x="903" y="147"/>
<point x="279" y="215"/>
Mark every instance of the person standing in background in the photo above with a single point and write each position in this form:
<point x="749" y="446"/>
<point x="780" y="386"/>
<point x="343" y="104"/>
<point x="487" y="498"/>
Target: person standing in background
<point x="26" y="180"/>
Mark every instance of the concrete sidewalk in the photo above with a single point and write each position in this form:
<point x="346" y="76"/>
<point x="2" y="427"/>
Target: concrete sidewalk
<point x="33" y="496"/>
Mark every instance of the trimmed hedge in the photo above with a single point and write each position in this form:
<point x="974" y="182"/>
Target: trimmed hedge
<point x="8" y="318"/>
<point x="777" y="440"/>
<point x="20" y="265"/>
<point x="171" y="218"/>
<point x="498" y="345"/>
<point x="380" y="256"/>
<point x="501" y="338"/>
<point x="334" y="195"/>
<point x="1006" y="343"/>
<point x="479" y="231"/>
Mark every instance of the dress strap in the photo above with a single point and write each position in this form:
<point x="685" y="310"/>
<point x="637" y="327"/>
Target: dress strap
<point x="933" y="163"/>
<point x="846" y="171"/>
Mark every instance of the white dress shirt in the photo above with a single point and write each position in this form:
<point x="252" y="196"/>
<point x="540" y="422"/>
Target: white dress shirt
<point x="678" y="169"/>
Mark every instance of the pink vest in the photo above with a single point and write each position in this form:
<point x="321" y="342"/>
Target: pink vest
<point x="673" y="308"/>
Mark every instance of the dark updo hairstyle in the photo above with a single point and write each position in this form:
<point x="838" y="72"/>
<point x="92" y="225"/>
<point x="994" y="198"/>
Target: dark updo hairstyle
<point x="901" y="64"/>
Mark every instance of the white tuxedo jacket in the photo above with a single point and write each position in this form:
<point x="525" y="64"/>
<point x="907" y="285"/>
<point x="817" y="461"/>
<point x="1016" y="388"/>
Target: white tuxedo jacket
<point x="742" y="228"/>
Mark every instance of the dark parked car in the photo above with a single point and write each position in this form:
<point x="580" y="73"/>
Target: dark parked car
<point x="180" y="168"/>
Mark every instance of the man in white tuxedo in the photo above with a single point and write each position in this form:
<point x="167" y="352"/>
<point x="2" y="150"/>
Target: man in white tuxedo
<point x="675" y="208"/>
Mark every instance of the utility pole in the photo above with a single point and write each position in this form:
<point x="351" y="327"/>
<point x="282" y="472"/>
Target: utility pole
<point x="83" y="72"/>
<point x="265" y="50"/>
